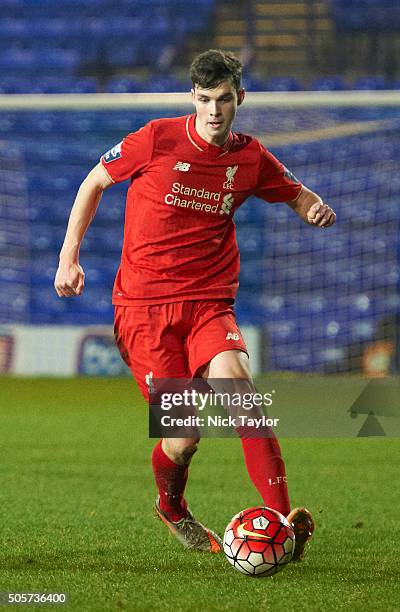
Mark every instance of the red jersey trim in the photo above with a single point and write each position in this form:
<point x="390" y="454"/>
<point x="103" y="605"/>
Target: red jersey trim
<point x="102" y="165"/>
<point x="201" y="144"/>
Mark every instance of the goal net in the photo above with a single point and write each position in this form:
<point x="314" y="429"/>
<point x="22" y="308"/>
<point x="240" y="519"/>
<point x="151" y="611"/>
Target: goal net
<point x="14" y="235"/>
<point x="326" y="301"/>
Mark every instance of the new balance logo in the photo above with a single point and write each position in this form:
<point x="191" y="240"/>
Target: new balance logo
<point x="182" y="166"/>
<point x="232" y="336"/>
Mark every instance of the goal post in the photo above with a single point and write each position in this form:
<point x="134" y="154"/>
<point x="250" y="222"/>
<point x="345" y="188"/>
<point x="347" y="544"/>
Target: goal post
<point x="326" y="301"/>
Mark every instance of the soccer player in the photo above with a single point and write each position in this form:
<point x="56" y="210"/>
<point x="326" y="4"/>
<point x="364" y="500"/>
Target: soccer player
<point x="178" y="276"/>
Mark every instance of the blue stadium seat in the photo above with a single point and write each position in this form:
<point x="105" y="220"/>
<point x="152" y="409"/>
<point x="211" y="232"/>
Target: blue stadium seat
<point x="253" y="83"/>
<point x="12" y="29"/>
<point x="54" y="184"/>
<point x="45" y="237"/>
<point x="100" y="239"/>
<point x="370" y="83"/>
<point x="251" y="242"/>
<point x="165" y="84"/>
<point x="283" y="84"/>
<point x="53" y="59"/>
<point x="251" y="273"/>
<point x="62" y="84"/>
<point x="252" y="211"/>
<point x="366" y="15"/>
<point x="57" y="30"/>
<point x="125" y="85"/>
<point x="30" y="61"/>
<point x="15" y="85"/>
<point x="332" y="83"/>
<point x="16" y="61"/>
<point x="299" y="360"/>
<point x="112" y="211"/>
<point x="122" y="53"/>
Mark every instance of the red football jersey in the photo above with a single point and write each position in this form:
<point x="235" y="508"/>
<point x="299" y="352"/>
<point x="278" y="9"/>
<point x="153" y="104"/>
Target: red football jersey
<point x="179" y="238"/>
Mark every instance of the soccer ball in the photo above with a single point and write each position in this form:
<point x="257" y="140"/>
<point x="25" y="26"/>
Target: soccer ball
<point x="259" y="542"/>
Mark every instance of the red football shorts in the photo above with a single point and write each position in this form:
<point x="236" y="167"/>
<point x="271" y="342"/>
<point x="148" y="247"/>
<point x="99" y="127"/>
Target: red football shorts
<point x="174" y="340"/>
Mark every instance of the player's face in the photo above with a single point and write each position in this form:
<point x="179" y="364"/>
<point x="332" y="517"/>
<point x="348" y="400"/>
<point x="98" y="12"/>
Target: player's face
<point x="216" y="110"/>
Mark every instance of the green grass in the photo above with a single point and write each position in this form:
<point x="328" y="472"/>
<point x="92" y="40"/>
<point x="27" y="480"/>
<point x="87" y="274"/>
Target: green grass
<point x="76" y="510"/>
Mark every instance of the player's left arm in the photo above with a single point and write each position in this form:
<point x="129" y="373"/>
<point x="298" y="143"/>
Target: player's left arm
<point x="310" y="207"/>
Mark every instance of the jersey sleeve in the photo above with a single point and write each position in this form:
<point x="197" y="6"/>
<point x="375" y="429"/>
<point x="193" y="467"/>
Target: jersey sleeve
<point x="275" y="182"/>
<point x="130" y="156"/>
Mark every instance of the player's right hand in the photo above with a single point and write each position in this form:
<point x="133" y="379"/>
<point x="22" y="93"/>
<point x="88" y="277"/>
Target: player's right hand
<point x="69" y="280"/>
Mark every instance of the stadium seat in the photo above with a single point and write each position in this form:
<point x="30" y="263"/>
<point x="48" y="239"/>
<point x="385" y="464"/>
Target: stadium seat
<point x="283" y="84"/>
<point x="12" y="30"/>
<point x="53" y="59"/>
<point x="165" y="84"/>
<point x="370" y="83"/>
<point x="17" y="61"/>
<point x="15" y="85"/>
<point x="125" y="85"/>
<point x="333" y="83"/>
<point x="62" y="84"/>
<point x="252" y="83"/>
<point x="252" y="211"/>
<point x="250" y="241"/>
<point x="125" y="53"/>
<point x="251" y="273"/>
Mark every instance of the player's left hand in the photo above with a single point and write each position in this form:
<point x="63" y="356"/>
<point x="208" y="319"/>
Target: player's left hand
<point x="321" y="215"/>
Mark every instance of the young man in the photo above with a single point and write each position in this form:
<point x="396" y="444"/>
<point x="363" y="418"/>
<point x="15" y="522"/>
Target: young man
<point x="178" y="276"/>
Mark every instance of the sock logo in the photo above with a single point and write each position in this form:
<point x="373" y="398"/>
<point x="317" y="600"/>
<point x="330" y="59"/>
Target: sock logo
<point x="277" y="480"/>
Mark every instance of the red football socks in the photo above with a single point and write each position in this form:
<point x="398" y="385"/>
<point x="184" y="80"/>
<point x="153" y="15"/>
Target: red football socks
<point x="171" y="481"/>
<point x="266" y="469"/>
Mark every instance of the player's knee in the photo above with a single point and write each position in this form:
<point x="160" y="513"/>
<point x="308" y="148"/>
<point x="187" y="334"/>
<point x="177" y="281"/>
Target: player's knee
<point x="188" y="452"/>
<point x="230" y="364"/>
<point x="180" y="450"/>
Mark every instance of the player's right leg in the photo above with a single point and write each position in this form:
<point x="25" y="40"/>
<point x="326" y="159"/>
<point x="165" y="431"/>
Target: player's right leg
<point x="151" y="352"/>
<point x="171" y="458"/>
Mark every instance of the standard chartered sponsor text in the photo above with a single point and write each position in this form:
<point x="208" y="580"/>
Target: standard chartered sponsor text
<point x="178" y="190"/>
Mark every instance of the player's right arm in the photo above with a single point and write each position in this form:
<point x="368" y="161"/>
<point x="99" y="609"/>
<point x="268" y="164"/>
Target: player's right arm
<point x="70" y="277"/>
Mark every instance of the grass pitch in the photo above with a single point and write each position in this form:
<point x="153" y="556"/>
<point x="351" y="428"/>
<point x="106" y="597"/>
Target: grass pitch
<point x="76" y="510"/>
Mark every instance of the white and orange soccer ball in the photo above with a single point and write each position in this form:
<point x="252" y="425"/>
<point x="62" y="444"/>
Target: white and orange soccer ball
<point x="259" y="542"/>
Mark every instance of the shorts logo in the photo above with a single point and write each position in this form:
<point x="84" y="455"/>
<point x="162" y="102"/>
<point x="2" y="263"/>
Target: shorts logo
<point x="113" y="154"/>
<point x="149" y="382"/>
<point x="232" y="336"/>
<point x="230" y="177"/>
<point x="226" y="205"/>
<point x="182" y="166"/>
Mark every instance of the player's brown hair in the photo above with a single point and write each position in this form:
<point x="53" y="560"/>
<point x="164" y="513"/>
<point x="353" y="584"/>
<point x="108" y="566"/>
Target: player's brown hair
<point x="211" y="68"/>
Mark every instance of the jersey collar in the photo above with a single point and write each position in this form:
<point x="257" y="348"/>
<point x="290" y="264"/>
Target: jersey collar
<point x="201" y="144"/>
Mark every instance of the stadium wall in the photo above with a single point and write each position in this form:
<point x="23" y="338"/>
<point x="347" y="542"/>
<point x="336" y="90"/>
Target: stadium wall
<point x="68" y="350"/>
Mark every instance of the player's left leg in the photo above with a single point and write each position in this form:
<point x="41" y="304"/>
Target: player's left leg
<point x="212" y="356"/>
<point x="262" y="455"/>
